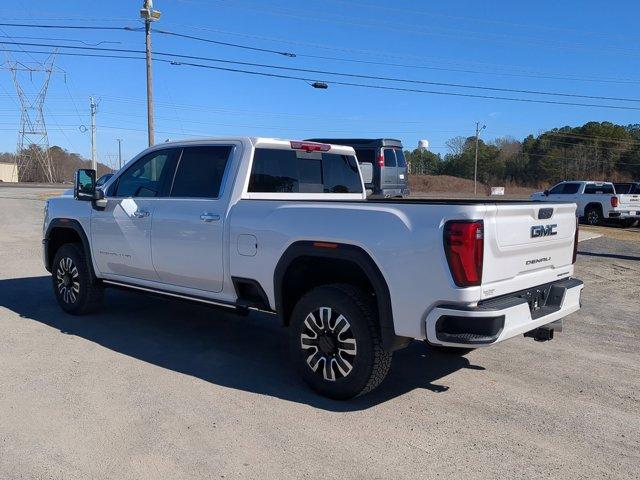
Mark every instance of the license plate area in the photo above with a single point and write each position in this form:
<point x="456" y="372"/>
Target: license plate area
<point x="542" y="299"/>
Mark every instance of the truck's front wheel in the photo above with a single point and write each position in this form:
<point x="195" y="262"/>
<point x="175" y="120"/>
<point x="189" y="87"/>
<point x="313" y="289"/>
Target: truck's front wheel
<point x="73" y="286"/>
<point x="335" y="341"/>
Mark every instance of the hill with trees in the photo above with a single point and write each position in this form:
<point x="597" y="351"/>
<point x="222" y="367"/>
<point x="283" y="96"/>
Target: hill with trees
<point x="63" y="163"/>
<point x="595" y="151"/>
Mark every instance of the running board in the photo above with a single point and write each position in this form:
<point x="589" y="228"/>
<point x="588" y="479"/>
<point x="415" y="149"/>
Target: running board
<point x="181" y="296"/>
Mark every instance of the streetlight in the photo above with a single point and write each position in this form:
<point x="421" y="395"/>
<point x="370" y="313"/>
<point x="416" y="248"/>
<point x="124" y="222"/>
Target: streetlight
<point x="475" y="168"/>
<point x="149" y="15"/>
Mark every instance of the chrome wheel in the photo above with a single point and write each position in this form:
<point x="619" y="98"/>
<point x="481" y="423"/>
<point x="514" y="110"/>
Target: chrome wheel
<point x="67" y="280"/>
<point x="328" y="343"/>
<point x="593" y="217"/>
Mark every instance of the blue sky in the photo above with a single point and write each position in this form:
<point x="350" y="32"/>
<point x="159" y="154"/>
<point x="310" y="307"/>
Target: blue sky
<point x="568" y="47"/>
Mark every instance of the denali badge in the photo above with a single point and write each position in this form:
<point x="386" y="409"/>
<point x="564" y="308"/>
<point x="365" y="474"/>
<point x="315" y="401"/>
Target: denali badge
<point x="538" y="260"/>
<point x="543" y="230"/>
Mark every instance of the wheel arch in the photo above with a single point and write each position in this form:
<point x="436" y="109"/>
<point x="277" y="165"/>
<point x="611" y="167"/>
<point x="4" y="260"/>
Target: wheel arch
<point x="596" y="205"/>
<point x="351" y="264"/>
<point x="66" y="230"/>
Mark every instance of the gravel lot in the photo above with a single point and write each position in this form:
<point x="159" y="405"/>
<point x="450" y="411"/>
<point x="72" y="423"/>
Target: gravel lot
<point x="152" y="388"/>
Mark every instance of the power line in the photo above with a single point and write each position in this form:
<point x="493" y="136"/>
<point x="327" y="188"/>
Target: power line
<point x="64" y="27"/>
<point x="476" y="19"/>
<point x="335" y="82"/>
<point x="528" y="73"/>
<point x="410" y="90"/>
<point x="164" y="32"/>
<point x="368" y="77"/>
<point x="350" y="60"/>
<point x="593" y="137"/>
<point x="228" y="44"/>
<point x="456" y="34"/>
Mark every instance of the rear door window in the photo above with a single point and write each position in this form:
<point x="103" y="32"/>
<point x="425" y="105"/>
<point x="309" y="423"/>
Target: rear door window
<point x="292" y="171"/>
<point x="400" y="158"/>
<point x="389" y="158"/>
<point x="571" y="188"/>
<point x="200" y="171"/>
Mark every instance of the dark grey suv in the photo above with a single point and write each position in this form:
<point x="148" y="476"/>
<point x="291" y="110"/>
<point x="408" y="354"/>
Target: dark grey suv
<point x="387" y="157"/>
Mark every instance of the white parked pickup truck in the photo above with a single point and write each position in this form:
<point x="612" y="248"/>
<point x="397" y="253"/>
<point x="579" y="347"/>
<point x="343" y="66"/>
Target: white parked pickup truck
<point x="596" y="201"/>
<point x="285" y="227"/>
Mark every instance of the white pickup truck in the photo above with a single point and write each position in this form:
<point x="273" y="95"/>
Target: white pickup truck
<point x="285" y="227"/>
<point x="596" y="201"/>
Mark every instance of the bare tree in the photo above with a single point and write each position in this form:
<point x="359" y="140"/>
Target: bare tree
<point x="456" y="145"/>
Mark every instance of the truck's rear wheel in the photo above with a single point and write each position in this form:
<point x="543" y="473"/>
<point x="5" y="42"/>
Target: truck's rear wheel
<point x="73" y="286"/>
<point x="335" y="342"/>
<point x="593" y="216"/>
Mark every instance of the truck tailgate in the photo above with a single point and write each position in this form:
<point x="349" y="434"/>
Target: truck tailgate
<point x="629" y="201"/>
<point x="527" y="245"/>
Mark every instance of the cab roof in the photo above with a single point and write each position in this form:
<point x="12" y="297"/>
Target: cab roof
<point x="257" y="142"/>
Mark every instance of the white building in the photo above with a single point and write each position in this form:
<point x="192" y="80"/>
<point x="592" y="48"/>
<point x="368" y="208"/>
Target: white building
<point x="8" y="172"/>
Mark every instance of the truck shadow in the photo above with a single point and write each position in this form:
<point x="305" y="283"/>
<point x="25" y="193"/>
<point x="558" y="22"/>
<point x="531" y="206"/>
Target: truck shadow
<point x="247" y="353"/>
<point x="609" y="255"/>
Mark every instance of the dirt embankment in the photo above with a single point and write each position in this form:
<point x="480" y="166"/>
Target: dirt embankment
<point x="445" y="185"/>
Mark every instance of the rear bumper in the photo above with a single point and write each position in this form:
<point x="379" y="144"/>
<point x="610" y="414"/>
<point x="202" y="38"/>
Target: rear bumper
<point x="499" y="319"/>
<point x="625" y="214"/>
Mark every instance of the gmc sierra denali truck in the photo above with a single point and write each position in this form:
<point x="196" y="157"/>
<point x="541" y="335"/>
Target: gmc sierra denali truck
<point x="596" y="201"/>
<point x="285" y="227"/>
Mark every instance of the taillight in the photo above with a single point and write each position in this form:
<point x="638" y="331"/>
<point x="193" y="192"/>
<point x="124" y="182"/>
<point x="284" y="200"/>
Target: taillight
<point x="310" y="146"/>
<point x="614" y="202"/>
<point x="381" y="161"/>
<point x="464" y="246"/>
<point x="575" y="244"/>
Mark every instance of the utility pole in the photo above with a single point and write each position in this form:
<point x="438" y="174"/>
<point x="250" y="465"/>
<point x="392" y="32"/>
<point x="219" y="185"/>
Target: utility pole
<point x="94" y="108"/>
<point x="475" y="168"/>
<point x="119" y="153"/>
<point x="150" y="15"/>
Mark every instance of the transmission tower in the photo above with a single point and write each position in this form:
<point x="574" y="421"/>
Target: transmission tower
<point x="32" y="152"/>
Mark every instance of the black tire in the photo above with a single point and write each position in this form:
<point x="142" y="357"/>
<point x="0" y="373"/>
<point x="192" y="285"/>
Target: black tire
<point x="73" y="285"/>
<point x="593" y="216"/>
<point x="335" y="342"/>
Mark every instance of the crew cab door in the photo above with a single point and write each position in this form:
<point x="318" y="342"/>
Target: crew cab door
<point x="121" y="232"/>
<point x="188" y="225"/>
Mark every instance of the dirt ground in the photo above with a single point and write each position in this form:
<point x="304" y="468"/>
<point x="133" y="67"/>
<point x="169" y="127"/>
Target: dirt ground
<point x="153" y="388"/>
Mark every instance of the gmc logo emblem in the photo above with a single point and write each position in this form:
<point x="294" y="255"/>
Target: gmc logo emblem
<point x="543" y="230"/>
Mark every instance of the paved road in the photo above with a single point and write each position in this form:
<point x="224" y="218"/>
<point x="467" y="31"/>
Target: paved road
<point x="151" y="388"/>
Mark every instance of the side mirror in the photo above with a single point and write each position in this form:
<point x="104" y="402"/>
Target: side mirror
<point x="84" y="185"/>
<point x="366" y="169"/>
<point x="546" y="193"/>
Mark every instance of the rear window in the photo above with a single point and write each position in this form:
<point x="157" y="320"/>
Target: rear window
<point x="623" y="187"/>
<point x="293" y="171"/>
<point x="400" y="157"/>
<point x="592" y="188"/>
<point x="366" y="155"/>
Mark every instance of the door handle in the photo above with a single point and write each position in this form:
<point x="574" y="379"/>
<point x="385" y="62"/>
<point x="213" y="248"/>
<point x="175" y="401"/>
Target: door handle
<point x="140" y="213"/>
<point x="209" y="217"/>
